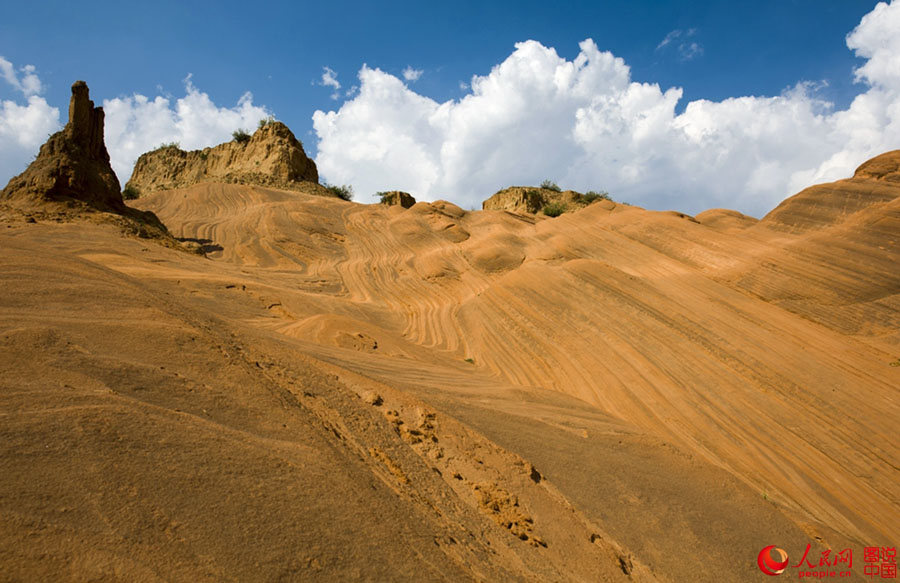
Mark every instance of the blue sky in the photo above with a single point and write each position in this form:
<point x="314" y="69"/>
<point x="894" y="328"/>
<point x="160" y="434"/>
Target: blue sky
<point x="278" y="50"/>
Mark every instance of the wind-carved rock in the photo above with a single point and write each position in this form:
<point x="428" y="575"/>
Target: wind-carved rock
<point x="272" y="157"/>
<point x="397" y="198"/>
<point x="73" y="165"/>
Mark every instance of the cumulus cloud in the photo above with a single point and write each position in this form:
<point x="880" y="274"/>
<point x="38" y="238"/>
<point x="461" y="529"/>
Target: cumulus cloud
<point x="29" y="83"/>
<point x="137" y="124"/>
<point x="329" y="79"/>
<point x="878" y="40"/>
<point x="411" y="74"/>
<point x="134" y="124"/>
<point x="587" y="124"/>
<point x="23" y="126"/>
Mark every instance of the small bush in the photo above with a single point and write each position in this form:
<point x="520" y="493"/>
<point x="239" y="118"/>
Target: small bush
<point x="344" y="192"/>
<point x="204" y="154"/>
<point x="165" y="145"/>
<point x="382" y="196"/>
<point x="550" y="185"/>
<point x="130" y="193"/>
<point x="240" y="136"/>
<point x="266" y="121"/>
<point x="592" y="196"/>
<point x="554" y="209"/>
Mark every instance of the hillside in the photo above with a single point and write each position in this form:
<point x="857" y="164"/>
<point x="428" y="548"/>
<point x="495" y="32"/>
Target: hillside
<point x="339" y="392"/>
<point x="272" y="156"/>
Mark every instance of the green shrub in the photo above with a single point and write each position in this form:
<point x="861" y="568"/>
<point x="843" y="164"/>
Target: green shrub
<point x="130" y="193"/>
<point x="550" y="185"/>
<point x="592" y="196"/>
<point x="344" y="192"/>
<point x="554" y="209"/>
<point x="266" y="121"/>
<point x="164" y="145"/>
<point x="240" y="136"/>
<point x="382" y="196"/>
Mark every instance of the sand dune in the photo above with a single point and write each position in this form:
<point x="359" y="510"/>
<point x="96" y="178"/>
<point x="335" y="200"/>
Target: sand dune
<point x="364" y="392"/>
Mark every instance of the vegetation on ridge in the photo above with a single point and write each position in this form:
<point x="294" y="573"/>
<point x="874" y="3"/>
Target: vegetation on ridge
<point x="591" y="196"/>
<point x="130" y="193"/>
<point x="550" y="185"/>
<point x="554" y="209"/>
<point x="344" y="192"/>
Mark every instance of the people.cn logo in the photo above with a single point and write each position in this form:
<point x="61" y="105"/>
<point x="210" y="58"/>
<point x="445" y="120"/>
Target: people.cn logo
<point x="772" y="560"/>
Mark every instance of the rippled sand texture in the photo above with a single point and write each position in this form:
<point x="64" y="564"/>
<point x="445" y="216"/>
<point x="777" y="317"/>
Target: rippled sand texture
<point x="343" y="391"/>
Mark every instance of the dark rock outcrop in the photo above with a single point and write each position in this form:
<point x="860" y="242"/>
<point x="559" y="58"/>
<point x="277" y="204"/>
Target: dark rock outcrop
<point x="71" y="178"/>
<point x="398" y="197"/>
<point x="73" y="164"/>
<point x="271" y="157"/>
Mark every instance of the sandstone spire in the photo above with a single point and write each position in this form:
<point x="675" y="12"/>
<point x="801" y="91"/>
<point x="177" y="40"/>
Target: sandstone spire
<point x="73" y="164"/>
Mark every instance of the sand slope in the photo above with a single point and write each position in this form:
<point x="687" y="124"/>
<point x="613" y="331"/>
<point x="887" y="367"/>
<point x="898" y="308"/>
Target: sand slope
<point x="362" y="392"/>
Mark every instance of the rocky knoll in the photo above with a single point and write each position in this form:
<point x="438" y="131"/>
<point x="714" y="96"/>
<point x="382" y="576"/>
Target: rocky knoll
<point x="397" y="197"/>
<point x="272" y="157"/>
<point x="73" y="165"/>
<point x="530" y="199"/>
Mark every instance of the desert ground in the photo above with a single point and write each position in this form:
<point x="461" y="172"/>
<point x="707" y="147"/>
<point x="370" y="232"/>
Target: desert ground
<point x="287" y="386"/>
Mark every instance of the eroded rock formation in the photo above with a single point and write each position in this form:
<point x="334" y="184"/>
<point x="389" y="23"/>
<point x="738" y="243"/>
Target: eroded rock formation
<point x="531" y="199"/>
<point x="73" y="164"/>
<point x="397" y="197"/>
<point x="272" y="156"/>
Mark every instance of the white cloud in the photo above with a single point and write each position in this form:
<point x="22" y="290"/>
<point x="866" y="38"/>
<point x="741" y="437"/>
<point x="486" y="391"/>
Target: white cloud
<point x="877" y="38"/>
<point x="687" y="50"/>
<point x="587" y="125"/>
<point x="134" y="125"/>
<point x="669" y="38"/>
<point x="411" y="74"/>
<point x="137" y="124"/>
<point x="29" y="84"/>
<point x="329" y="79"/>
<point x="23" y="127"/>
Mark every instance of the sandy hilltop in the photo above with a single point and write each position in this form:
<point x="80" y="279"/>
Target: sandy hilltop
<point x="238" y="376"/>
